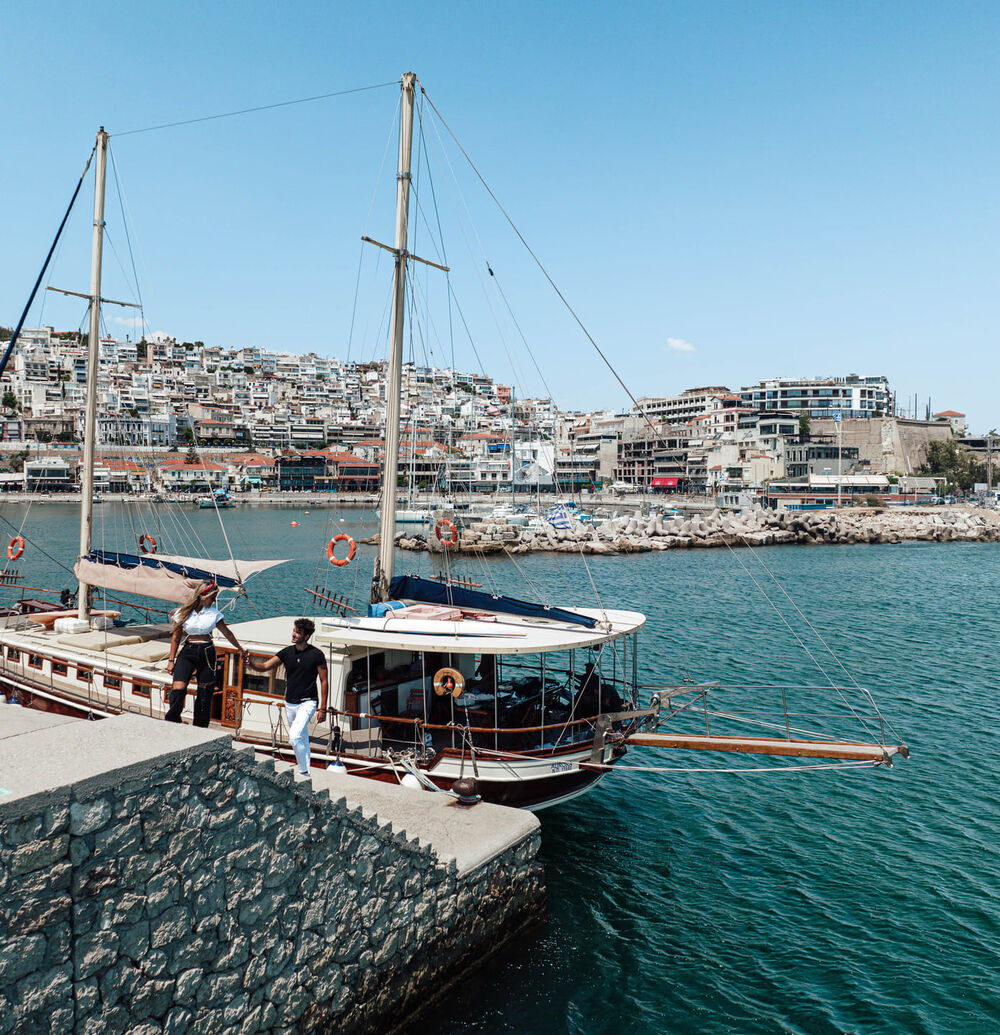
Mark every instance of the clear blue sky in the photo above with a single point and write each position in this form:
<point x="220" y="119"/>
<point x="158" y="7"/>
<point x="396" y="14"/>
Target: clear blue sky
<point x="724" y="191"/>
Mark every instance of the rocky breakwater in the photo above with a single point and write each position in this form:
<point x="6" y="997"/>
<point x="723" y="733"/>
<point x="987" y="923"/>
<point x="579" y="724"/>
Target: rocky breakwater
<point x="757" y="527"/>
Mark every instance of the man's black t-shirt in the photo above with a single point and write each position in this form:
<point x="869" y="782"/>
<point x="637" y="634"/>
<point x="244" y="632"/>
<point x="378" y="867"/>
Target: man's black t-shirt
<point x="301" y="667"/>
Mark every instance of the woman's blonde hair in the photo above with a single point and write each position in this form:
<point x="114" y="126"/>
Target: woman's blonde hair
<point x="204" y="593"/>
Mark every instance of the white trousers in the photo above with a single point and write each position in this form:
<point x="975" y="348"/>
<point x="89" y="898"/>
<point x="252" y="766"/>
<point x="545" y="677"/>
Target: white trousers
<point x="298" y="730"/>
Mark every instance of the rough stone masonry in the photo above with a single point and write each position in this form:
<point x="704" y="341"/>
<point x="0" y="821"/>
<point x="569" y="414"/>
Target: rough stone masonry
<point x="153" y="879"/>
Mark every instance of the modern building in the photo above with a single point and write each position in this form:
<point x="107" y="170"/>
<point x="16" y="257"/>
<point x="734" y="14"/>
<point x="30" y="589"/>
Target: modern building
<point x="853" y="396"/>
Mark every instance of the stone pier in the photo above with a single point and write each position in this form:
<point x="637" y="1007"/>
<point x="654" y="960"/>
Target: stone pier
<point x="155" y="879"/>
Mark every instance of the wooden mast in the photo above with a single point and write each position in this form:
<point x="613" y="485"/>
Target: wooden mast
<point x="390" y="467"/>
<point x="93" y="366"/>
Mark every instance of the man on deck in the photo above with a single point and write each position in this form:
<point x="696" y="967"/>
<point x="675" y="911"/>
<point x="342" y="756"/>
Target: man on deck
<point x="303" y="664"/>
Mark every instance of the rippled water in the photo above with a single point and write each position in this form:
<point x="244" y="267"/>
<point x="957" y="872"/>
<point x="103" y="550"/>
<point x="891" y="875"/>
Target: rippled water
<point x="857" y="900"/>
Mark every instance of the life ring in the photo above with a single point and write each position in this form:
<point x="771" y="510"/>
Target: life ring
<point x="352" y="549"/>
<point x="147" y="543"/>
<point x="15" y="547"/>
<point x="448" y="681"/>
<point x="452" y="539"/>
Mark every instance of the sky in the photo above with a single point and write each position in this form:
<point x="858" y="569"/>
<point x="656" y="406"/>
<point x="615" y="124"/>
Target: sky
<point x="722" y="191"/>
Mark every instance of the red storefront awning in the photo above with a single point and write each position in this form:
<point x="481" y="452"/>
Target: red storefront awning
<point x="665" y="483"/>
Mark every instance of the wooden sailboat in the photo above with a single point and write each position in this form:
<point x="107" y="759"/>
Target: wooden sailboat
<point x="438" y="683"/>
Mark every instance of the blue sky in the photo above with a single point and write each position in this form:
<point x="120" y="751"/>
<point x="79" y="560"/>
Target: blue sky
<point x="723" y="191"/>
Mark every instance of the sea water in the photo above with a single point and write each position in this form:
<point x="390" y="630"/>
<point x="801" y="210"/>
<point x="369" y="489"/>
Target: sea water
<point x="848" y="900"/>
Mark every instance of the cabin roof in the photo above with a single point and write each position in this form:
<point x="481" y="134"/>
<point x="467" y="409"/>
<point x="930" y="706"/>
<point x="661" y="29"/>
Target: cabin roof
<point x="490" y="633"/>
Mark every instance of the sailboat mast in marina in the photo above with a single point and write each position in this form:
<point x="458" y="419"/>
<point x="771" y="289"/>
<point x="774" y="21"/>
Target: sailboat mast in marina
<point x="433" y="679"/>
<point x="93" y="366"/>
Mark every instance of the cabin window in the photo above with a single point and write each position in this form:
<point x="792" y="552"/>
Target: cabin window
<point x="34" y="661"/>
<point x="271" y="683"/>
<point x="85" y="675"/>
<point x="59" y="668"/>
<point x="112" y="683"/>
<point x="141" y="688"/>
<point x="13" y="654"/>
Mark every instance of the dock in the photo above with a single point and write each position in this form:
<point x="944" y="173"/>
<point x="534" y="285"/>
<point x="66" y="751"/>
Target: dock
<point x="153" y="873"/>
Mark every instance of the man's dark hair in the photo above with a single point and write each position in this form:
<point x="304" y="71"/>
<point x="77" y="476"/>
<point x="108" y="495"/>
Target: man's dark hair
<point x="306" y="626"/>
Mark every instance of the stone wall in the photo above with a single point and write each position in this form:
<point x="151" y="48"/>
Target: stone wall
<point x="203" y="891"/>
<point x="892" y="445"/>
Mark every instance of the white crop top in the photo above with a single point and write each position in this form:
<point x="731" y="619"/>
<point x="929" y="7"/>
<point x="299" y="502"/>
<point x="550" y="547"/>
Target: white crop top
<point x="201" y="623"/>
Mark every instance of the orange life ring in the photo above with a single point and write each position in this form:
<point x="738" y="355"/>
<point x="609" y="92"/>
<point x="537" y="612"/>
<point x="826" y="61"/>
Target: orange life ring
<point x="147" y="543"/>
<point x="352" y="549"/>
<point x="17" y="541"/>
<point x="452" y="539"/>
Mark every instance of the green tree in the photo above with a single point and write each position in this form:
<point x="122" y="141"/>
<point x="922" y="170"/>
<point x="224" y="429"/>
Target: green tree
<point x="804" y="427"/>
<point x="954" y="462"/>
<point x="10" y="401"/>
<point x="43" y="435"/>
<point x="191" y="457"/>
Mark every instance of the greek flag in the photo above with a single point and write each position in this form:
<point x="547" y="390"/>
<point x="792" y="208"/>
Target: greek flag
<point x="557" y="517"/>
<point x="837" y="416"/>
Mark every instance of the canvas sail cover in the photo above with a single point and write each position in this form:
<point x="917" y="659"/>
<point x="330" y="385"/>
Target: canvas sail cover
<point x="160" y="576"/>
<point x="412" y="587"/>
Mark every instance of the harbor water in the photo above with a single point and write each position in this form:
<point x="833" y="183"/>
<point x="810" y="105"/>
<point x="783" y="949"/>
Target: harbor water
<point x="843" y="900"/>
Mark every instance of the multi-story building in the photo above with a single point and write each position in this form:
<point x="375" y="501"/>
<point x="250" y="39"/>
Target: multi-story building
<point x="853" y="396"/>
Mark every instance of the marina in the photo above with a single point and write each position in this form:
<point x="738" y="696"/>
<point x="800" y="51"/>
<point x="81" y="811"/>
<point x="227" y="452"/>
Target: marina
<point x="400" y="625"/>
<point x="802" y="898"/>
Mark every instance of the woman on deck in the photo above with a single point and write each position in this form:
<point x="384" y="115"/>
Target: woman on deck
<point x="196" y="620"/>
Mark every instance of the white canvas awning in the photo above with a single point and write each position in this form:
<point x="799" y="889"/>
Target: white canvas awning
<point x="150" y="579"/>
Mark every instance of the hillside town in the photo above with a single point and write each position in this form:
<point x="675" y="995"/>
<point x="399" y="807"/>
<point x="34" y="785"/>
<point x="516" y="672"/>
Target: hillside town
<point x="184" y="417"/>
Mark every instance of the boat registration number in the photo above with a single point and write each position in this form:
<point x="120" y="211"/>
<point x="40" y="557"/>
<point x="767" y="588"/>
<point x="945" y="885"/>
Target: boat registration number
<point x="561" y="767"/>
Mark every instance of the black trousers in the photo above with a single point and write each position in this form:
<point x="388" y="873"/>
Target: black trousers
<point x="195" y="659"/>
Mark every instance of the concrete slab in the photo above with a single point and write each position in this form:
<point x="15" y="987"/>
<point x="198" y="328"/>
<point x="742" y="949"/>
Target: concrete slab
<point x="89" y="755"/>
<point x="15" y="720"/>
<point x="471" y="836"/>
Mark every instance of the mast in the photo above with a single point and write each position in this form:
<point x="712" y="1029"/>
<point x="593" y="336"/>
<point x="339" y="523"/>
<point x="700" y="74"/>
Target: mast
<point x="93" y="365"/>
<point x="390" y="469"/>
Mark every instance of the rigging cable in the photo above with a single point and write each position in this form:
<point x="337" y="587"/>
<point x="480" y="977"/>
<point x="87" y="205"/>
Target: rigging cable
<point x="545" y="272"/>
<point x="259" y="107"/>
<point x="45" y="265"/>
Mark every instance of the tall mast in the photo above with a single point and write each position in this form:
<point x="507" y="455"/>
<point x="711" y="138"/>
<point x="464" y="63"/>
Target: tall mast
<point x="93" y="365"/>
<point x="390" y="472"/>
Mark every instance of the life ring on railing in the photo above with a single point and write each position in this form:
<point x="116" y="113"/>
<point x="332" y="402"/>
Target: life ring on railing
<point x="352" y="549"/>
<point x="18" y="542"/>
<point x="452" y="539"/>
<point x="449" y="681"/>
<point x="147" y="543"/>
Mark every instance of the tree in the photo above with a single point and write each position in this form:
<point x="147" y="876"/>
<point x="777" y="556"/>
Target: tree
<point x="192" y="455"/>
<point x="10" y="401"/>
<point x="803" y="427"/>
<point x="954" y="462"/>
<point x="43" y="435"/>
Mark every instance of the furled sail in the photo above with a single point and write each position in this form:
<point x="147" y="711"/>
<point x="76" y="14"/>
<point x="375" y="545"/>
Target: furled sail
<point x="160" y="576"/>
<point x="412" y="587"/>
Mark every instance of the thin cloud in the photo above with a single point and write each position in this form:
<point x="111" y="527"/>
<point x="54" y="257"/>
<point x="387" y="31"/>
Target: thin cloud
<point x="679" y="345"/>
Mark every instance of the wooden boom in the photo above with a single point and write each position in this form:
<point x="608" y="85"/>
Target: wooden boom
<point x="773" y="746"/>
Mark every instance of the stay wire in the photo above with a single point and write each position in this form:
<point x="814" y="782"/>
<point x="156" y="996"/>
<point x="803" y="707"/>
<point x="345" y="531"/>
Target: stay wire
<point x="259" y="107"/>
<point x="545" y="272"/>
<point x="812" y="657"/>
<point x="128" y="241"/>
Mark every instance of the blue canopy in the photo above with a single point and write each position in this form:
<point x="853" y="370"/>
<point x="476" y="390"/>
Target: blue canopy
<point x="412" y="587"/>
